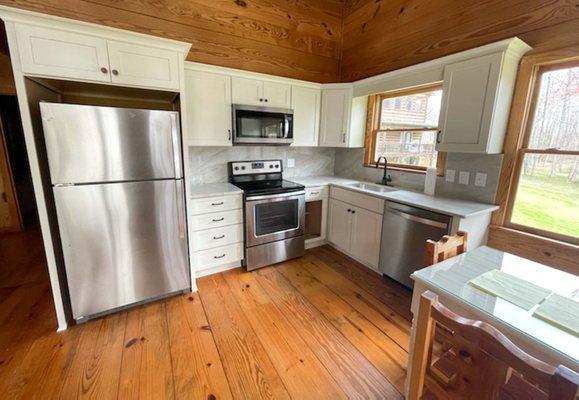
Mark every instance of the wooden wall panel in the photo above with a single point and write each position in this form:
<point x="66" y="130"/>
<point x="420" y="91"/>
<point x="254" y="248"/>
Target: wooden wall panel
<point x="381" y="36"/>
<point x="7" y="86"/>
<point x="297" y="39"/>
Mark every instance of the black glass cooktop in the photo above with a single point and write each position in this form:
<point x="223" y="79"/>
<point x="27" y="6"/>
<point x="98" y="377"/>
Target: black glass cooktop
<point x="267" y="187"/>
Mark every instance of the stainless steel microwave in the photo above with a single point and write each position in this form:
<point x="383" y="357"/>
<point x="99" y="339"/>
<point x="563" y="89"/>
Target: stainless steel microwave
<point x="262" y="125"/>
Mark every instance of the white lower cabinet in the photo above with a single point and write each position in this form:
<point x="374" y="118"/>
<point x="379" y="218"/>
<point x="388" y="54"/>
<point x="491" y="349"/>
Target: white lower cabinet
<point x="366" y="235"/>
<point x="355" y="230"/>
<point x="216" y="232"/>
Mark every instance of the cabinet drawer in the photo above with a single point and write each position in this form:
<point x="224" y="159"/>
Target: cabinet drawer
<point x="215" y="220"/>
<point x="358" y="199"/>
<point x="218" y="256"/>
<point x="316" y="193"/>
<point x="215" y="204"/>
<point x="210" y="238"/>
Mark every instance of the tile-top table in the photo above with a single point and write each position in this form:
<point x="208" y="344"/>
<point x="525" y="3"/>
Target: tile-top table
<point x="449" y="280"/>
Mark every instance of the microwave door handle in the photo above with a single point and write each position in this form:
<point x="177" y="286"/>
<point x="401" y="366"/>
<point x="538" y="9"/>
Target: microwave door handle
<point x="286" y="127"/>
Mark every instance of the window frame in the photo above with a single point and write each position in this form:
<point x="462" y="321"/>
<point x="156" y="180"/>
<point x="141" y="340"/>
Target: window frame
<point x="523" y="149"/>
<point x="373" y="127"/>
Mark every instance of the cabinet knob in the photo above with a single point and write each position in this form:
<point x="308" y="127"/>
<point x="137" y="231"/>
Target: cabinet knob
<point x="104" y="70"/>
<point x="353" y="212"/>
<point x="260" y="99"/>
<point x="115" y="72"/>
<point x="349" y="210"/>
<point x="265" y="100"/>
<point x="229" y="133"/>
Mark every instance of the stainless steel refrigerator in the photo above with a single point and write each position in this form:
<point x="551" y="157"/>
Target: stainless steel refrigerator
<point x="118" y="186"/>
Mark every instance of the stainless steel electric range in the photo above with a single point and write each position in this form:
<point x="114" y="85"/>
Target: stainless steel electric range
<point x="274" y="212"/>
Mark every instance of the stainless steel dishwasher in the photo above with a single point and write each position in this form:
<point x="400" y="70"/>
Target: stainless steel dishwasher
<point x="405" y="230"/>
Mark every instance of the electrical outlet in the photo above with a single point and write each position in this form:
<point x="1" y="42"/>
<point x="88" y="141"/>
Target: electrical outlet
<point x="450" y="175"/>
<point x="291" y="162"/>
<point x="463" y="177"/>
<point x="480" y="179"/>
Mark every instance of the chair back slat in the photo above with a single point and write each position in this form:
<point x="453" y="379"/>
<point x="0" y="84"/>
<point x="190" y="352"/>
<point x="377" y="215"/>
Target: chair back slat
<point x="445" y="248"/>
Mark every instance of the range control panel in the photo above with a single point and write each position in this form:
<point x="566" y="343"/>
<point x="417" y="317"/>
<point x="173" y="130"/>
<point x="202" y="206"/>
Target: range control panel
<point x="256" y="167"/>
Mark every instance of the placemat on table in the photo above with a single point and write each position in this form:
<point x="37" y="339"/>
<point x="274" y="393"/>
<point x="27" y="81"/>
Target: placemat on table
<point x="561" y="312"/>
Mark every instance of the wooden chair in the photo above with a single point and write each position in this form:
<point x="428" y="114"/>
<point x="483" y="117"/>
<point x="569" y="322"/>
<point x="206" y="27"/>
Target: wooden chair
<point x="481" y="363"/>
<point x="447" y="247"/>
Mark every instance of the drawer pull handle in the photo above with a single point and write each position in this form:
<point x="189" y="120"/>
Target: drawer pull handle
<point x="218" y="219"/>
<point x="217" y="204"/>
<point x="314" y="193"/>
<point x="221" y="256"/>
<point x="218" y="237"/>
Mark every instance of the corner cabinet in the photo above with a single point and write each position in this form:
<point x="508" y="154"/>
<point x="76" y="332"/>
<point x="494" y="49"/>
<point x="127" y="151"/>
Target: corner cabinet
<point x="76" y="55"/>
<point x="208" y="108"/>
<point x="343" y="118"/>
<point x="306" y="106"/>
<point x="476" y="101"/>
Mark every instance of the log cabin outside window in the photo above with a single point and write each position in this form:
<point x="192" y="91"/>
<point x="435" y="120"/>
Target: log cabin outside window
<point x="546" y="179"/>
<point x="403" y="126"/>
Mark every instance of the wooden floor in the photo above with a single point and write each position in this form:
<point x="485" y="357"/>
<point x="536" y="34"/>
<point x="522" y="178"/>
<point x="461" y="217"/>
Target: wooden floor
<point x="319" y="327"/>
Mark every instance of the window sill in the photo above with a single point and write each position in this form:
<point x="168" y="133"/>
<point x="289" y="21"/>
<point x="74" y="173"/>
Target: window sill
<point x="555" y="253"/>
<point x="402" y="169"/>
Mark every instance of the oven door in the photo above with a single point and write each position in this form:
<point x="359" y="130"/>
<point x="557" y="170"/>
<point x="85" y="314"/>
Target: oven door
<point x="275" y="217"/>
<point x="262" y="125"/>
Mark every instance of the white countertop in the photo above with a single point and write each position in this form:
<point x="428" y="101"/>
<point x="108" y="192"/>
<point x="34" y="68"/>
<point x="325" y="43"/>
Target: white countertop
<point x="453" y="207"/>
<point x="312" y="181"/>
<point x="213" y="189"/>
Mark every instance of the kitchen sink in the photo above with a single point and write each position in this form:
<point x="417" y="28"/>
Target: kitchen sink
<point x="373" y="188"/>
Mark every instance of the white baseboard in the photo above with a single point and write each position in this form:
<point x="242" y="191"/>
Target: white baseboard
<point x="310" y="244"/>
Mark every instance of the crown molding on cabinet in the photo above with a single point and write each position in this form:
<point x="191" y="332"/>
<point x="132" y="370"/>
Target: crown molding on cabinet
<point x="9" y="14"/>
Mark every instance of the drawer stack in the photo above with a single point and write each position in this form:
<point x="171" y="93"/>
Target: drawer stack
<point x="216" y="232"/>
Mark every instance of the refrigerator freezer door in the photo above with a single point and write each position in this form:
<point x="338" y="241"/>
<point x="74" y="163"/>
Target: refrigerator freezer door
<point x="122" y="243"/>
<point x="87" y="144"/>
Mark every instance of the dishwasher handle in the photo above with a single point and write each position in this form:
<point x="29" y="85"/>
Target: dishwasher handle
<point x="420" y="220"/>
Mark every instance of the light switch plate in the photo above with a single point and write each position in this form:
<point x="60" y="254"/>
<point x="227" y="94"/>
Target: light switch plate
<point x="450" y="175"/>
<point x="291" y="162"/>
<point x="463" y="177"/>
<point x="480" y="179"/>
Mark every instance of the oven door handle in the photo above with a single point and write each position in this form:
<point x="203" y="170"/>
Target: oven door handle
<point x="276" y="196"/>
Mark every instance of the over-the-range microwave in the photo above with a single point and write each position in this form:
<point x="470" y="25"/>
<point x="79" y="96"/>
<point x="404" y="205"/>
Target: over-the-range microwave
<point x="262" y="125"/>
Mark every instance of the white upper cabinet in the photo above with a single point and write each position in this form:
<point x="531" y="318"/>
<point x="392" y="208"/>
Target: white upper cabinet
<point x="58" y="53"/>
<point x="255" y="92"/>
<point x="143" y="66"/>
<point x="343" y="118"/>
<point x="247" y="91"/>
<point x="476" y="101"/>
<point x="208" y="108"/>
<point x="335" y="120"/>
<point x="276" y="94"/>
<point x="306" y="106"/>
<point x="85" y="53"/>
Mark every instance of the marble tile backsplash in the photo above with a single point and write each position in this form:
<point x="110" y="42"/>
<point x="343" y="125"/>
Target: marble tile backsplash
<point x="349" y="164"/>
<point x="209" y="164"/>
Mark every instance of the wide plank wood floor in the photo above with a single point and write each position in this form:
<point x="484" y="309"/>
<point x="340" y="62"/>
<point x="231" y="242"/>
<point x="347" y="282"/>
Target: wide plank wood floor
<point x="318" y="327"/>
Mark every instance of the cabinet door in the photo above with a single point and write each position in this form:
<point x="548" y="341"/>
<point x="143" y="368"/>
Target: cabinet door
<point x="339" y="224"/>
<point x="469" y="93"/>
<point x="366" y="235"/>
<point x="276" y="94"/>
<point x="208" y="108"/>
<point x="57" y="53"/>
<point x="306" y="106"/>
<point x="336" y="104"/>
<point x="143" y="66"/>
<point x="247" y="91"/>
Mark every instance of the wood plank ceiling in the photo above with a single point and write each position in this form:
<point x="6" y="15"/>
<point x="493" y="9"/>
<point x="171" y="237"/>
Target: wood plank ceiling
<point x="326" y="40"/>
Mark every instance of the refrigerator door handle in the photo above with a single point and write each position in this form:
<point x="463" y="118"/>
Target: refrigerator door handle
<point x="180" y="208"/>
<point x="176" y="134"/>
